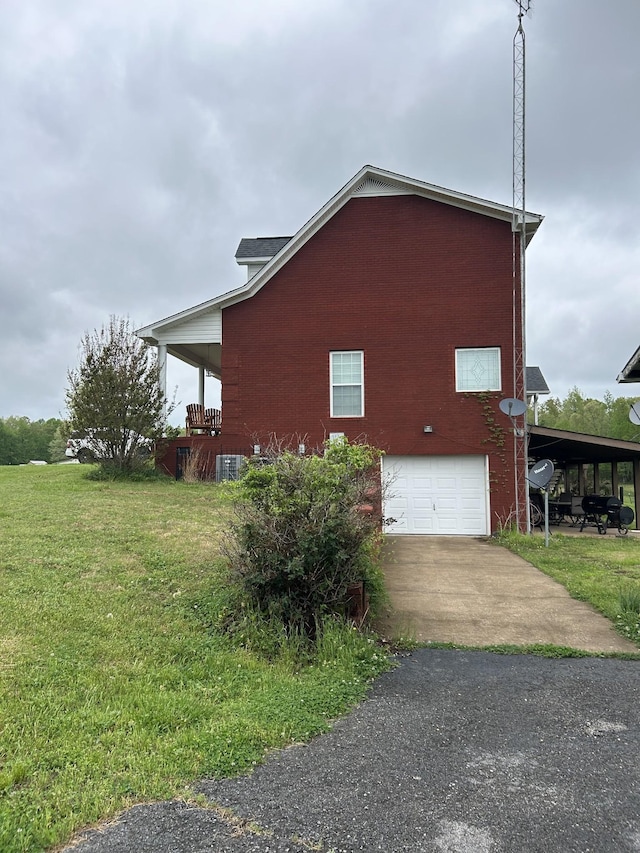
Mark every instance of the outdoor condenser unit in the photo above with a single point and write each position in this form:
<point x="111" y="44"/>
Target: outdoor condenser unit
<point x="228" y="467"/>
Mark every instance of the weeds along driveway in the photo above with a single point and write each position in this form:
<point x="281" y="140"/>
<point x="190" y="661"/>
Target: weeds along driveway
<point x="466" y="752"/>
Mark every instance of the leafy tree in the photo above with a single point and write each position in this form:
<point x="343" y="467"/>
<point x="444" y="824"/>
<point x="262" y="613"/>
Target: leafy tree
<point x="22" y="439"/>
<point x="57" y="445"/>
<point x="114" y="397"/>
<point x="300" y="538"/>
<point x="608" y="417"/>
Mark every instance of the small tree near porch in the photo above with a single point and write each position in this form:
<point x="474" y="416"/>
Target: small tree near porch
<point x="114" y="398"/>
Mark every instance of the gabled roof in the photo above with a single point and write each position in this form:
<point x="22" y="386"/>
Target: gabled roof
<point x="535" y="381"/>
<point x="369" y="182"/>
<point x="631" y="371"/>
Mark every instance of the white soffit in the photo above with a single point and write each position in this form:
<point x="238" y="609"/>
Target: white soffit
<point x="374" y="187"/>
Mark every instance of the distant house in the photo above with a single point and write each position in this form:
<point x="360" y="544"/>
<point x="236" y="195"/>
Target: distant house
<point x="536" y="385"/>
<point x="389" y="316"/>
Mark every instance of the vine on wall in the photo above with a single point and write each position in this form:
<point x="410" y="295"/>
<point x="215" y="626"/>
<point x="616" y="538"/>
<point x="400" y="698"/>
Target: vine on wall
<point x="497" y="435"/>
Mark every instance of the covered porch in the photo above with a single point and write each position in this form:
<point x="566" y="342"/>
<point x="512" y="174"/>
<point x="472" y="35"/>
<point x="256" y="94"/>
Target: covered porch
<point x="589" y="463"/>
<point x="194" y="337"/>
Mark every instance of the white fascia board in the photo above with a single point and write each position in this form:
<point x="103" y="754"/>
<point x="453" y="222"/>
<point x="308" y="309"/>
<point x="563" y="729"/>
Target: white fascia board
<point x="151" y="333"/>
<point x="450" y="197"/>
<point x="390" y="184"/>
<point x="632" y="364"/>
<point x="296" y="242"/>
<point x="246" y="261"/>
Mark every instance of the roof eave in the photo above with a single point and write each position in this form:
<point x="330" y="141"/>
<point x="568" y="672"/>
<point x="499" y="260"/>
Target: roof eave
<point x="631" y="371"/>
<point x="400" y="183"/>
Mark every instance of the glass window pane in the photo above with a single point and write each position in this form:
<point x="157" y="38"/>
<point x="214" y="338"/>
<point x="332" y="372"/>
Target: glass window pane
<point x="347" y="401"/>
<point x="347" y="368"/>
<point x="347" y="384"/>
<point x="478" y="369"/>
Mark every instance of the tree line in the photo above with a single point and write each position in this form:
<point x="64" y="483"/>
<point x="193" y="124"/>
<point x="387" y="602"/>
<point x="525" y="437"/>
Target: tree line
<point x="22" y="440"/>
<point x="577" y="413"/>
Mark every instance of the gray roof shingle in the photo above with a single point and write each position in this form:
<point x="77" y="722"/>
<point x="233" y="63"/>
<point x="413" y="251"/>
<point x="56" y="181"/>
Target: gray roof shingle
<point x="535" y="381"/>
<point x="254" y="248"/>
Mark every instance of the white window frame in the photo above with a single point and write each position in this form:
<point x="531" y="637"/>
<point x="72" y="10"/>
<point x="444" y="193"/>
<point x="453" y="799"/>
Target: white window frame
<point x="483" y="386"/>
<point x="332" y="385"/>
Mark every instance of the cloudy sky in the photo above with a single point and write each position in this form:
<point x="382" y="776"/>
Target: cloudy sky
<point x="141" y="139"/>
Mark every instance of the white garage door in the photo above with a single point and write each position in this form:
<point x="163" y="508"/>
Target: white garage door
<point x="436" y="494"/>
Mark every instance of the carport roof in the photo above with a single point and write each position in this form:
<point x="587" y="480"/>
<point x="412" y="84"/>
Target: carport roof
<point x="564" y="446"/>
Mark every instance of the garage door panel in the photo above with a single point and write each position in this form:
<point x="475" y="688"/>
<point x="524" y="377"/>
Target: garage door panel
<point x="447" y="504"/>
<point x="422" y="525"/>
<point x="420" y="484"/>
<point x="422" y="503"/>
<point x="444" y="484"/>
<point x="437" y="494"/>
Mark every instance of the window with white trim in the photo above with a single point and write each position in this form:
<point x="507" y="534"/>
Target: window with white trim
<point x="478" y="369"/>
<point x="346" y="378"/>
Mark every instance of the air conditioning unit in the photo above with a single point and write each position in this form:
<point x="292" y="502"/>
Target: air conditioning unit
<point x="228" y="467"/>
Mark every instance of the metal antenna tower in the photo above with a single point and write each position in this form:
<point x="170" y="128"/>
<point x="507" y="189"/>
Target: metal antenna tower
<point x="518" y="227"/>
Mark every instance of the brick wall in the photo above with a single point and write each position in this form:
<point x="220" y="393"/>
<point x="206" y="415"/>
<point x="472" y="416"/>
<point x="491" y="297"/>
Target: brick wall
<point x="406" y="280"/>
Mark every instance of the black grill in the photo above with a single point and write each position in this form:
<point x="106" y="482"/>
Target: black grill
<point x="605" y="511"/>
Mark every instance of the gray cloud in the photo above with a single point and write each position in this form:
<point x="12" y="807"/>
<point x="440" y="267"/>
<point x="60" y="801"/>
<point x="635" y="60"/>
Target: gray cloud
<point x="141" y="140"/>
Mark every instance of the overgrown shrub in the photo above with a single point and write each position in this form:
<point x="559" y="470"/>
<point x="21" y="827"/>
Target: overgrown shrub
<point x="306" y="529"/>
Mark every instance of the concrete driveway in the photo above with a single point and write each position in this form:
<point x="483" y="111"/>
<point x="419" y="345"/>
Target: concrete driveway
<point x="455" y="589"/>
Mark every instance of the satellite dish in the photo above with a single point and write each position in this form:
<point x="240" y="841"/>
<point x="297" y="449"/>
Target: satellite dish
<point x="541" y="473"/>
<point x="634" y="413"/>
<point x="512" y="407"/>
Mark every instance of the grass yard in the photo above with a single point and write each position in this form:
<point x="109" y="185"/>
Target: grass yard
<point x="601" y="570"/>
<point x="115" y="686"/>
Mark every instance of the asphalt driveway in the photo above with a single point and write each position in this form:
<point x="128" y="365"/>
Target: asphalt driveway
<point x="453" y="752"/>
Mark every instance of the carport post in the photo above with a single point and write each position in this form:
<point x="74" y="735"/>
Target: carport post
<point x="581" y="485"/>
<point x="636" y="487"/>
<point x="615" y="481"/>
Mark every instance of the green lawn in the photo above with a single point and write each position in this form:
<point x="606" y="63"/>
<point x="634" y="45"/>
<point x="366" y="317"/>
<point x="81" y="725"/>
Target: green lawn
<point x="114" y="686"/>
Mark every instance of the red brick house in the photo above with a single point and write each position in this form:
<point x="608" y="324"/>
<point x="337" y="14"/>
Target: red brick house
<point x="388" y="317"/>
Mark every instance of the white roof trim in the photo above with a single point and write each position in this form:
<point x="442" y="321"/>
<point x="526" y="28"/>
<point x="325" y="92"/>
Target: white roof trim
<point x="253" y="260"/>
<point x="150" y="333"/>
<point x="632" y="364"/>
<point x="370" y="181"/>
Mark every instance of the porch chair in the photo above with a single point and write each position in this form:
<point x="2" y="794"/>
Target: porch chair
<point x="213" y="418"/>
<point x="196" y="419"/>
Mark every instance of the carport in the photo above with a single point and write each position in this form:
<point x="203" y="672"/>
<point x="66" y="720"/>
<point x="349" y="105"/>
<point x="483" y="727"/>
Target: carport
<point x="573" y="450"/>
